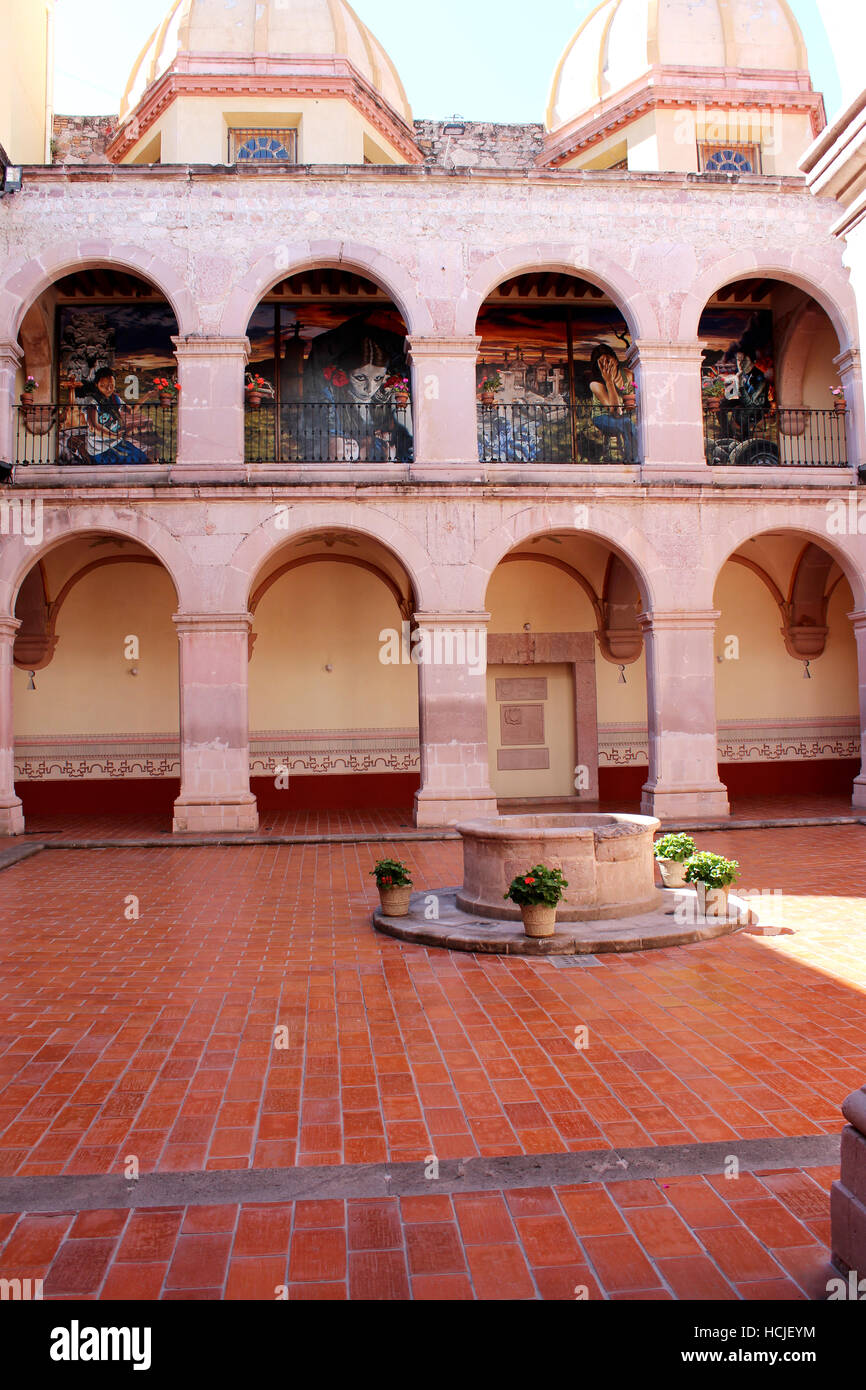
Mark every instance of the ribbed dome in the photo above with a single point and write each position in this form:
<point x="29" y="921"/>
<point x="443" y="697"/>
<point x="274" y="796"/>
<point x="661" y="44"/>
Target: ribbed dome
<point x="622" y="39"/>
<point x="272" y="28"/>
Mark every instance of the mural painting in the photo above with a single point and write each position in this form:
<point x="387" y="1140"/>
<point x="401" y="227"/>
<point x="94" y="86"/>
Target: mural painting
<point x="738" y="386"/>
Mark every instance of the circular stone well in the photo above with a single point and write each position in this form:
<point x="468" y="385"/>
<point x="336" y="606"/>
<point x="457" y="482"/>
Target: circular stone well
<point x="607" y="860"/>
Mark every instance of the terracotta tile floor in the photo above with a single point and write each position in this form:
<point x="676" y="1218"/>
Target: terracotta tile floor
<point x="156" y="1037"/>
<point x="692" y="1238"/>
<point x="132" y="825"/>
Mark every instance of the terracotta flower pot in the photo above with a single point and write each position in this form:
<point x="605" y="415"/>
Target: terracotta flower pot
<point x="840" y="404"/>
<point x="673" y="872"/>
<point x="629" y="401"/>
<point x="538" y="919"/>
<point x="713" y="404"/>
<point x="712" y="902"/>
<point x="402" y="399"/>
<point x="488" y="397"/>
<point x="27" y="398"/>
<point x="395" y="901"/>
<point x="254" y="398"/>
<point x="166" y="399"/>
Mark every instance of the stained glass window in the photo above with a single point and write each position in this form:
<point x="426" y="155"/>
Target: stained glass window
<point x="729" y="159"/>
<point x="275" y="146"/>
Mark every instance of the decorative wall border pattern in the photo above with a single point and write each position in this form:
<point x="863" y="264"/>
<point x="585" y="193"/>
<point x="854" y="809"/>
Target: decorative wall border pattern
<point x="744" y="741"/>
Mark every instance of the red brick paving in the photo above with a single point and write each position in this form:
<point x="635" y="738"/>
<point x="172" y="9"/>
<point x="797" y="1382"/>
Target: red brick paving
<point x="476" y="1246"/>
<point x="156" y="1038"/>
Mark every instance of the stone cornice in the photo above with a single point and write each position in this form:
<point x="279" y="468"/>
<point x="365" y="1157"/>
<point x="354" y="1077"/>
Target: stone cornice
<point x="212" y="347"/>
<point x="8" y="628"/>
<point x="302" y="77"/>
<point x="685" y="87"/>
<point x="213" y="622"/>
<point x="444" y="347"/>
<point x="697" y="620"/>
<point x="461" y="619"/>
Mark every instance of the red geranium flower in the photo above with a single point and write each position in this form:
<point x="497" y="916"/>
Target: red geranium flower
<point x="529" y="880"/>
<point x="386" y="880"/>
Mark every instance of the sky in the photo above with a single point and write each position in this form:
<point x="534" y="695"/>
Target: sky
<point x="472" y="58"/>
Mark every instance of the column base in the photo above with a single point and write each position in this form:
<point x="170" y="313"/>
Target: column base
<point x="848" y="1205"/>
<point x="215" y="816"/>
<point x="445" y="808"/>
<point x="11" y="817"/>
<point x="681" y="803"/>
<point x="858" y="798"/>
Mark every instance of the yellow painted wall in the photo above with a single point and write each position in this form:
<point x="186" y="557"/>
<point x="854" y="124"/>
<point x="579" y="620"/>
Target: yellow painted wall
<point x="766" y="683"/>
<point x="87" y="688"/>
<point x="26" y="84"/>
<point x="194" y="129"/>
<point x="558" y="778"/>
<point x="324" y="615"/>
<point x="668" y="138"/>
<point x="531" y="592"/>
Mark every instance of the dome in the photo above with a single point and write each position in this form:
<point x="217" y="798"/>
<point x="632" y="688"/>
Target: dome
<point x="622" y="39"/>
<point x="275" y="29"/>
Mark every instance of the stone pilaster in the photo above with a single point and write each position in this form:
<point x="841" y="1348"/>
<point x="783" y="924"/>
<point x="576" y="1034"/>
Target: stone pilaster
<point x="669" y="410"/>
<point x="11" y="813"/>
<point x="10" y="361"/>
<point x="444" y="401"/>
<point x="211" y="407"/>
<point x="214" y="724"/>
<point x="455" y="774"/>
<point x="681" y="698"/>
<point x="859" y="796"/>
<point x="849" y="366"/>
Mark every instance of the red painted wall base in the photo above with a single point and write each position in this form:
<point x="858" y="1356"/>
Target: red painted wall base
<point x="829" y="777"/>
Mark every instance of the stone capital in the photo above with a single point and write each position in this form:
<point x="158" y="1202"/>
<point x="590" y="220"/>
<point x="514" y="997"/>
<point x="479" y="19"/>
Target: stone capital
<point x="429" y="348"/>
<point x="186" y="623"/>
<point x="212" y="347"/>
<point x="858" y="619"/>
<point x="11" y="355"/>
<point x="8" y="628"/>
<point x="657" y="352"/>
<point x="685" y="620"/>
<point x="848" y="361"/>
<point x="467" y="620"/>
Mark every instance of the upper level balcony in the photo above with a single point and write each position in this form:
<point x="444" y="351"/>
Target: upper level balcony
<point x="328" y="383"/>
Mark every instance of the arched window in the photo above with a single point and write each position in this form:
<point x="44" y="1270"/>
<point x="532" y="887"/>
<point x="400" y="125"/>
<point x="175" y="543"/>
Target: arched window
<point x="276" y="146"/>
<point x="728" y="159"/>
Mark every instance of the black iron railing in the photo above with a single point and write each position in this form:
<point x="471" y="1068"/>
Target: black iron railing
<point x="521" y="433"/>
<point x="84" y="435"/>
<point x="792" y="437"/>
<point x="325" y="432"/>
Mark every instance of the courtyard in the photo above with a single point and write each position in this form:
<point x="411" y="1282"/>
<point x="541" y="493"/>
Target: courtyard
<point x="219" y="1082"/>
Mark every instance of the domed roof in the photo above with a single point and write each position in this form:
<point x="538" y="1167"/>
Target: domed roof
<point x="271" y="28"/>
<point x="622" y="39"/>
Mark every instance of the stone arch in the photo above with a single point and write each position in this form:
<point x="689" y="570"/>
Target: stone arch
<point x="265" y="542"/>
<point x="284" y="261"/>
<point x="595" y="266"/>
<point x="18" y="558"/>
<point x="632" y="548"/>
<point x="722" y="548"/>
<point x="804" y="269"/>
<point x="30" y="278"/>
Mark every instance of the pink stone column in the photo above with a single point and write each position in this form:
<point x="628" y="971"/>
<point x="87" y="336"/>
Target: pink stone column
<point x="444" y="401"/>
<point x="455" y="775"/>
<point x="211" y="408"/>
<point x="681" y="700"/>
<point x="214" y="725"/>
<point x="850" y="370"/>
<point x="859" y="621"/>
<point x="11" y="813"/>
<point x="10" y="360"/>
<point x="669" y="410"/>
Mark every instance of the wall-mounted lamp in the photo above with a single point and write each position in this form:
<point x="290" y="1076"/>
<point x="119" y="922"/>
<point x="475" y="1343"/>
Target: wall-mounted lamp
<point x="622" y="680"/>
<point x="31" y="684"/>
<point x="133" y="670"/>
<point x="527" y="627"/>
<point x="13" y="176"/>
<point x="329" y="668"/>
<point x="807" y="673"/>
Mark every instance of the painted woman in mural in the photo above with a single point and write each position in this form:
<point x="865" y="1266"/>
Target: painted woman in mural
<point x="609" y="386"/>
<point x="350" y="369"/>
<point x="108" y="422"/>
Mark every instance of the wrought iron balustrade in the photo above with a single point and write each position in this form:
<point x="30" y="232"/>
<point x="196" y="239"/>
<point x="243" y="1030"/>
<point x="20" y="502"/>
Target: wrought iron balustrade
<point x="80" y="434"/>
<point x="539" y="433"/>
<point x="769" y="437"/>
<point x="328" y="432"/>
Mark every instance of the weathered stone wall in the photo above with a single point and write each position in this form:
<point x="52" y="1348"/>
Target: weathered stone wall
<point x="82" y="139"/>
<point x="481" y="145"/>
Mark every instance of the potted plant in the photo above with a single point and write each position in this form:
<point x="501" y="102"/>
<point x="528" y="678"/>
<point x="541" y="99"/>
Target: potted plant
<point x="489" y="386"/>
<point x="712" y="876"/>
<point x="29" y="388"/>
<point x="714" y="394"/>
<point x="400" y="386"/>
<point x="537" y="893"/>
<point x="839" y="401"/>
<point x="672" y="852"/>
<point x="256" y="387"/>
<point x="168" y="388"/>
<point x="395" y="887"/>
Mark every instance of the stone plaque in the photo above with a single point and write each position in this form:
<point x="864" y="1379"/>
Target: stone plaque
<point x="523" y="759"/>
<point x="521" y="725"/>
<point x="522" y="688"/>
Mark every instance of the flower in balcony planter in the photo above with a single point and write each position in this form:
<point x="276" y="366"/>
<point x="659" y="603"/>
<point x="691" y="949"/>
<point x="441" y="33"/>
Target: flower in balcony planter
<point x="168" y="389"/>
<point x="30" y="385"/>
<point x="400" y="386"/>
<point x="256" y="387"/>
